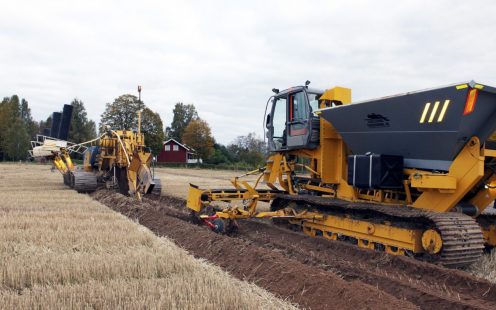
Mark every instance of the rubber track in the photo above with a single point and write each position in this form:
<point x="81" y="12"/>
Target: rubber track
<point x="85" y="182"/>
<point x="462" y="237"/>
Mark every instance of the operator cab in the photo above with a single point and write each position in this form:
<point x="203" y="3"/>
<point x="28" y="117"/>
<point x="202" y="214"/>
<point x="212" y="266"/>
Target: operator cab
<point x="291" y="123"/>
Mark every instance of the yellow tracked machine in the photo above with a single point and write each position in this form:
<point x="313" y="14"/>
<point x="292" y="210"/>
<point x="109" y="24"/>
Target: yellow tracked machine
<point x="117" y="159"/>
<point x="412" y="174"/>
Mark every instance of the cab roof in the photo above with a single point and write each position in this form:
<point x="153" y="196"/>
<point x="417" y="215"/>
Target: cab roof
<point x="299" y="88"/>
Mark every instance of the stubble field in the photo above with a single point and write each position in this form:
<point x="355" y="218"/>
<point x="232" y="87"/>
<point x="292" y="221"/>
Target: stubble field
<point x="60" y="249"/>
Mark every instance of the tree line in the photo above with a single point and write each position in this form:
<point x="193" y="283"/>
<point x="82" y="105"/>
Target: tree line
<point x="18" y="128"/>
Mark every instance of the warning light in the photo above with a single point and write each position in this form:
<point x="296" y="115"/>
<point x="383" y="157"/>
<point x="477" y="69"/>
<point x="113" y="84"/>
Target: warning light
<point x="470" y="103"/>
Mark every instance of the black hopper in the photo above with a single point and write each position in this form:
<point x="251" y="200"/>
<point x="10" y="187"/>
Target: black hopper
<point x="65" y="123"/>
<point x="61" y="123"/>
<point x="54" y="131"/>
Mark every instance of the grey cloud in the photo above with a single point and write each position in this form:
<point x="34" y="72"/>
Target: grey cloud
<point x="225" y="56"/>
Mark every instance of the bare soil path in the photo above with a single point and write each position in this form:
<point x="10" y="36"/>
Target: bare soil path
<point x="313" y="272"/>
<point x="176" y="180"/>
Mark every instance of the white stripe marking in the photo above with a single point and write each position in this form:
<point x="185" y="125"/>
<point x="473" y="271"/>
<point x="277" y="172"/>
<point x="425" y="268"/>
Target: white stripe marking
<point x="434" y="110"/>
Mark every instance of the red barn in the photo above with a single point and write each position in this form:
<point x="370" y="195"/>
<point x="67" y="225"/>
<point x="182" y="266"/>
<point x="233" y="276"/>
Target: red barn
<point x="175" y="152"/>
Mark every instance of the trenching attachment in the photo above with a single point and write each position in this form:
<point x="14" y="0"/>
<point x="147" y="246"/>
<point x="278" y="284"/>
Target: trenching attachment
<point x="157" y="188"/>
<point x="219" y="225"/>
<point x="216" y="224"/>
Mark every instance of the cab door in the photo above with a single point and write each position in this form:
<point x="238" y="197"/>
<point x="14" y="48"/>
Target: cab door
<point x="276" y="124"/>
<point x="299" y="122"/>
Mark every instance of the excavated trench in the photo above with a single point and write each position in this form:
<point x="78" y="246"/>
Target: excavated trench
<point x="313" y="272"/>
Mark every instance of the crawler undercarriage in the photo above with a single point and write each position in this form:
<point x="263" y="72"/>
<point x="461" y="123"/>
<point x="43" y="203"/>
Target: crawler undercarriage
<point x="452" y="239"/>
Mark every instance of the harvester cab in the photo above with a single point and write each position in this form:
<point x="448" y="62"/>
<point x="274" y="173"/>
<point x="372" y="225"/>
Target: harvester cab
<point x="411" y="174"/>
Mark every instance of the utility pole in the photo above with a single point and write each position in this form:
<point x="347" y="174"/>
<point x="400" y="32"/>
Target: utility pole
<point x="139" y="109"/>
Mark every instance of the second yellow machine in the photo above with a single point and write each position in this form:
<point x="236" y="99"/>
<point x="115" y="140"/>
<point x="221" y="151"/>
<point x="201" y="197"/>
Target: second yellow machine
<point x="117" y="159"/>
<point x="411" y="174"/>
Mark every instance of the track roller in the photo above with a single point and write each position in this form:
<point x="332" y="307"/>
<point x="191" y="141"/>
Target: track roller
<point x="432" y="241"/>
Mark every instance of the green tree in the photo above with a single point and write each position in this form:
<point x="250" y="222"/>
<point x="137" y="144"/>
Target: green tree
<point x="248" y="149"/>
<point x="167" y="133"/>
<point x="82" y="129"/>
<point x="45" y="124"/>
<point x="198" y="136"/>
<point x="220" y="155"/>
<point x="183" y="114"/>
<point x="32" y="127"/>
<point x="17" y="141"/>
<point x="153" y="128"/>
<point x="5" y="120"/>
<point x="16" y="128"/>
<point x="9" y="112"/>
<point x="122" y="114"/>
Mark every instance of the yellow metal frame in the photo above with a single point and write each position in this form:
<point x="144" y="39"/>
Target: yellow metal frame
<point x="195" y="203"/>
<point x="63" y="162"/>
<point x="489" y="235"/>
<point x="368" y="234"/>
<point x="125" y="149"/>
<point x="467" y="169"/>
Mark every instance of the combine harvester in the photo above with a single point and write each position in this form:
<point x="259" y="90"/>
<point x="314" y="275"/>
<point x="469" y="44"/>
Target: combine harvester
<point x="408" y="174"/>
<point x="116" y="159"/>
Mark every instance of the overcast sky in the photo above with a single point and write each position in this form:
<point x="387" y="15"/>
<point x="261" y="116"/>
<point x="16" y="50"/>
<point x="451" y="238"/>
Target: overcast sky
<point x="226" y="56"/>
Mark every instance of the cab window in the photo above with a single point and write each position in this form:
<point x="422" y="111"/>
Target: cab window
<point x="279" y="118"/>
<point x="314" y="102"/>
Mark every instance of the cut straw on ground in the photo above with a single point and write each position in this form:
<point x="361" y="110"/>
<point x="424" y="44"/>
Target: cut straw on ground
<point x="60" y="249"/>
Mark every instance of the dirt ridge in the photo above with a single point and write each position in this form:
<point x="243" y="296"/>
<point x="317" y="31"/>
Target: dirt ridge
<point x="311" y="264"/>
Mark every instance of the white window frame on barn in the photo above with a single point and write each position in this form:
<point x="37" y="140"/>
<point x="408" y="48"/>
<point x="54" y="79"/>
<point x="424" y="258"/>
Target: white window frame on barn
<point x="167" y="148"/>
<point x="175" y="147"/>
